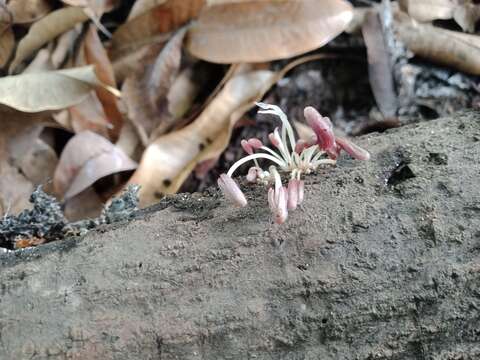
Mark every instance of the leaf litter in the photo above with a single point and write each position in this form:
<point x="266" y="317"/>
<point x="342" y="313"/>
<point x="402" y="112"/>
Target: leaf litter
<point x="98" y="96"/>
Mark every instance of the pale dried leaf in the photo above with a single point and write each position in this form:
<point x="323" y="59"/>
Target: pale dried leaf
<point x="39" y="162"/>
<point x="27" y="11"/>
<point x="95" y="54"/>
<point x="41" y="63"/>
<point x="142" y="6"/>
<point x="15" y="140"/>
<point x="86" y="205"/>
<point x="145" y="93"/>
<point x="86" y="158"/>
<point x="168" y="157"/>
<point x="259" y="31"/>
<point x="129" y="142"/>
<point x="380" y="70"/>
<point x="182" y="93"/>
<point x="53" y="90"/>
<point x="161" y="19"/>
<point x="451" y="48"/>
<point x="465" y="12"/>
<point x="218" y="2"/>
<point x="355" y="25"/>
<point x="428" y="10"/>
<point x="89" y="115"/>
<point x="467" y="16"/>
<point x="46" y="29"/>
<point x="127" y="64"/>
<point x="64" y="46"/>
<point x="165" y="69"/>
<point x="7" y="44"/>
<point x="99" y="7"/>
<point x="15" y="189"/>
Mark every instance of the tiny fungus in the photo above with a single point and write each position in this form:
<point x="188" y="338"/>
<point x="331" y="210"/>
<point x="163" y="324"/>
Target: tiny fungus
<point x="291" y="158"/>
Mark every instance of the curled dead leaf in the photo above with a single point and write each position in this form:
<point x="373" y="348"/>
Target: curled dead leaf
<point x="258" y="31"/>
<point x="160" y="19"/>
<point x="98" y="7"/>
<point x="88" y="115"/>
<point x="95" y="54"/>
<point x="39" y="162"/>
<point x="168" y="161"/>
<point x="127" y="64"/>
<point x="28" y="11"/>
<point x="86" y="158"/>
<point x="145" y="93"/>
<point x="428" y="10"/>
<point x="46" y="29"/>
<point x="380" y="69"/>
<point x="142" y="6"/>
<point x="451" y="48"/>
<point x="7" y="44"/>
<point x="465" y="12"/>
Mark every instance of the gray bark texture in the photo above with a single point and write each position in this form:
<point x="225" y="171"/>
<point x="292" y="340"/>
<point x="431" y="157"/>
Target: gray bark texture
<point x="382" y="261"/>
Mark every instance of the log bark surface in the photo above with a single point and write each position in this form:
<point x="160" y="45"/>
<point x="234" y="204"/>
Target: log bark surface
<point x="381" y="262"/>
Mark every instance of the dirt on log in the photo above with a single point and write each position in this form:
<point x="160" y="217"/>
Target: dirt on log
<point x="381" y="262"/>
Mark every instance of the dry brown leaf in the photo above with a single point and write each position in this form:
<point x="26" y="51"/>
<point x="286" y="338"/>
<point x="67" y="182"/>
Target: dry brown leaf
<point x="428" y="10"/>
<point x="165" y="69"/>
<point x="451" y="48"/>
<point x="355" y="25"/>
<point x="161" y="19"/>
<point x="467" y="16"/>
<point x="379" y="65"/>
<point x="95" y="54"/>
<point x="182" y="93"/>
<point x="145" y="93"/>
<point x="43" y="91"/>
<point x="126" y="65"/>
<point x="46" y="29"/>
<point x="88" y="115"/>
<point x="7" y="44"/>
<point x="218" y="2"/>
<point x="41" y="63"/>
<point x="99" y="7"/>
<point x="86" y="205"/>
<point x="86" y="158"/>
<point x="15" y="188"/>
<point x="39" y="162"/>
<point x="28" y="11"/>
<point x="65" y="46"/>
<point x="129" y="142"/>
<point x="166" y="162"/>
<point x="259" y="31"/>
<point x="465" y="12"/>
<point x="142" y="6"/>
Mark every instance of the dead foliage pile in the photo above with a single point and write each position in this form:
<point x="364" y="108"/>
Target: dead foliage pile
<point x="97" y="95"/>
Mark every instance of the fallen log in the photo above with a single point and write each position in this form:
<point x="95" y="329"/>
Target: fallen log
<point x="381" y="262"/>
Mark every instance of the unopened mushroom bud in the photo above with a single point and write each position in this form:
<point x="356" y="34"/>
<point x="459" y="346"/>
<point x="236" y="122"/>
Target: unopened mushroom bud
<point x="281" y="213"/>
<point x="301" y="191"/>
<point x="353" y="150"/>
<point x="275" y="138"/>
<point x="322" y="127"/>
<point x="246" y="147"/>
<point x="292" y="194"/>
<point x="231" y="190"/>
<point x="255" y="143"/>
